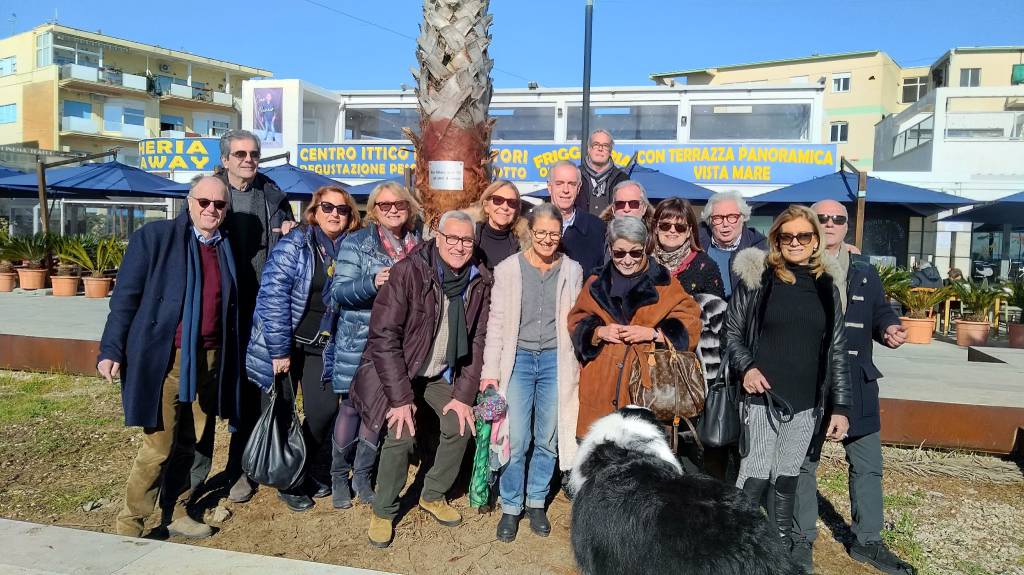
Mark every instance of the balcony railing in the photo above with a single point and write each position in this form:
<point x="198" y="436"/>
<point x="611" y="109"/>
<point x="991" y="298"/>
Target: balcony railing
<point x="172" y="134"/>
<point x="196" y="93"/>
<point x="107" y="76"/>
<point x="78" y="124"/>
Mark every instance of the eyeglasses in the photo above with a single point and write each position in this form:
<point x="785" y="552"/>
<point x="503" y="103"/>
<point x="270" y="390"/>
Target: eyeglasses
<point x="836" y="219"/>
<point x="731" y="218"/>
<point x="621" y="254"/>
<point x="600" y="146"/>
<point x="204" y="203"/>
<point x="456" y="240"/>
<point x="804" y="238"/>
<point x="633" y="204"/>
<point x="399" y="206"/>
<point x="553" y="236"/>
<point x="241" y="154"/>
<point x="342" y="209"/>
<point x="512" y="202"/>
<point x="666" y="226"/>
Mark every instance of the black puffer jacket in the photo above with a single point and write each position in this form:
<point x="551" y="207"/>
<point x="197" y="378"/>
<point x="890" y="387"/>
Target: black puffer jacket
<point x="746" y="312"/>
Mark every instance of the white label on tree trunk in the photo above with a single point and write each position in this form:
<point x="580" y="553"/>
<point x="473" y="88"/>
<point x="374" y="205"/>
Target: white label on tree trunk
<point x="445" y="175"/>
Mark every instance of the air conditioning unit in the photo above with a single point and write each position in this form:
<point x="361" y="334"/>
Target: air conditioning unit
<point x="165" y="67"/>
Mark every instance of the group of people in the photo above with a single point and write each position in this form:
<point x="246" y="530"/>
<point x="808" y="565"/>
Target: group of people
<point x="379" y="321"/>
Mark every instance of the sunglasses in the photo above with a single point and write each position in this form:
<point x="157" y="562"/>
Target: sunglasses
<point x="241" y="154"/>
<point x="804" y="238"/>
<point x="512" y="202"/>
<point x="342" y="209"/>
<point x="836" y="219"/>
<point x="666" y="226"/>
<point x="205" y="203"/>
<point x="399" y="206"/>
<point x="621" y="254"/>
<point x="633" y="204"/>
<point x="731" y="218"/>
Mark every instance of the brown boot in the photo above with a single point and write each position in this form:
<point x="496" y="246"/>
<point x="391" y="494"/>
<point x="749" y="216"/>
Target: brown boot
<point x="381" y="531"/>
<point x="185" y="526"/>
<point x="440" y="510"/>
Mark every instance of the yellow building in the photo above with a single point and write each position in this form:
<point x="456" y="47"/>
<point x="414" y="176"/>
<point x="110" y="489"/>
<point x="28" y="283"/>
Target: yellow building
<point x="76" y="91"/>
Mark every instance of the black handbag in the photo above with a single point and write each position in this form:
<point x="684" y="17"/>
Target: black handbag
<point x="720" y="424"/>
<point x="276" y="452"/>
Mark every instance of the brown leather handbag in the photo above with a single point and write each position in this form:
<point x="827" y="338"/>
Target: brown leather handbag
<point x="676" y="388"/>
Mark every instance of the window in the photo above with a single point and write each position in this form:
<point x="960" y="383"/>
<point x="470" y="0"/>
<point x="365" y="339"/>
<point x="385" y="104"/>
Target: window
<point x="639" y="122"/>
<point x="8" y="66"/>
<point x="379" y="123"/>
<point x="117" y="115"/>
<point x="914" y="89"/>
<point x="173" y="123"/>
<point x="75" y="109"/>
<point x="790" y="122"/>
<point x="219" y="128"/>
<point x="523" y="123"/>
<point x="838" y="132"/>
<point x="970" y="77"/>
<point x="8" y="114"/>
<point x="841" y="82"/>
<point x="44" y="49"/>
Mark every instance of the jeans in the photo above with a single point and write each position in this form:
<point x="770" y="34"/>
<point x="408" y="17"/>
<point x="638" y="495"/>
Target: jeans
<point x="532" y="416"/>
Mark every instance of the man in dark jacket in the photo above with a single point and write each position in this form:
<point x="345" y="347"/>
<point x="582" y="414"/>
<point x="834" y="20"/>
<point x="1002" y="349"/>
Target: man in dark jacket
<point x="582" y="232"/>
<point x="723" y="234"/>
<point x="868" y="317"/>
<point x="172" y="335"/>
<point x="259" y="216"/>
<point x="425" y="346"/>
<point x="600" y="174"/>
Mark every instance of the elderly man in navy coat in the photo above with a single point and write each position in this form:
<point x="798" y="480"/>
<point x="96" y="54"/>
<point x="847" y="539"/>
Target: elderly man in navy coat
<point x="172" y="336"/>
<point x="869" y="318"/>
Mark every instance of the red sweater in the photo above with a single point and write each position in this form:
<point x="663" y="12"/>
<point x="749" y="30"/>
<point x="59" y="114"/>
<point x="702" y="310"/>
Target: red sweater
<point x="209" y="323"/>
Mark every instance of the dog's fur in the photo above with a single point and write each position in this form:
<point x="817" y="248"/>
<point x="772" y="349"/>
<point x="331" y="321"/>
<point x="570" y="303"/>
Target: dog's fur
<point x="634" y="511"/>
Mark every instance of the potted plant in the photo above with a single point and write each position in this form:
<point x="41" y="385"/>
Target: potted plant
<point x="65" y="281"/>
<point x="894" y="281"/>
<point x="8" y="277"/>
<point x="976" y="298"/>
<point x="1015" y="297"/>
<point x="107" y="254"/>
<point x="31" y="251"/>
<point x="919" y="303"/>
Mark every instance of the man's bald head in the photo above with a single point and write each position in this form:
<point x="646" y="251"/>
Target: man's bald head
<point x="829" y="211"/>
<point x="830" y="207"/>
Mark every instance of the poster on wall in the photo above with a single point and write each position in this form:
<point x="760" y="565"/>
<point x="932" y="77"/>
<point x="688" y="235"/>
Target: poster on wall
<point x="267" y="121"/>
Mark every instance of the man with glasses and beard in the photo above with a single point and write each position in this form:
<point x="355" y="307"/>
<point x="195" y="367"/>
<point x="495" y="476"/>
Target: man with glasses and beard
<point x="258" y="217"/>
<point x="600" y="174"/>
<point x="172" y="336"/>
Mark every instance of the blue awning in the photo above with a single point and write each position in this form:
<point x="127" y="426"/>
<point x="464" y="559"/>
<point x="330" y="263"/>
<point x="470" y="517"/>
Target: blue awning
<point x="295" y="181"/>
<point x="842" y="187"/>
<point x="1007" y="210"/>
<point x="91" y="180"/>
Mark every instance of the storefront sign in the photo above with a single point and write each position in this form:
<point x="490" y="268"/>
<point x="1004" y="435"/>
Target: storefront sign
<point x="179" y="154"/>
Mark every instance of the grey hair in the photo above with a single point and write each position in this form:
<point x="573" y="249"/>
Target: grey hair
<point x="559" y="164"/>
<point x="629" y="228"/>
<point x="195" y="181"/>
<point x="590" y="139"/>
<point x="624" y="183"/>
<point x="457" y="215"/>
<point x="733" y="195"/>
<point x="233" y="135"/>
<point x="544" y="211"/>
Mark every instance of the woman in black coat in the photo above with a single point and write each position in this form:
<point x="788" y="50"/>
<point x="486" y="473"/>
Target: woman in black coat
<point x="785" y="335"/>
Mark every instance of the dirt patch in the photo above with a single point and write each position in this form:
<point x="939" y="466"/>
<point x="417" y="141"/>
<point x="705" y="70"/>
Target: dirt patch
<point x="62" y="447"/>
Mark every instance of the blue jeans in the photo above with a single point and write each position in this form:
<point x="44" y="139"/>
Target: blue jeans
<point x="532" y="416"/>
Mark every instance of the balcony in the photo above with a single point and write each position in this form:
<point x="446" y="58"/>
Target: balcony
<point x="172" y="134"/>
<point x="104" y="80"/>
<point x="992" y="126"/>
<point x="195" y="97"/>
<point x="78" y="124"/>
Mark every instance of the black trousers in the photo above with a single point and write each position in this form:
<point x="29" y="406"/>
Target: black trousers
<point x="319" y="402"/>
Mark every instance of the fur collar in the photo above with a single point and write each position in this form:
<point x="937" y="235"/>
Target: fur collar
<point x="750" y="265"/>
<point x="645" y="292"/>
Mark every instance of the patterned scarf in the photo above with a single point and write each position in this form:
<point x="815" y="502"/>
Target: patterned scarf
<point x="672" y="260"/>
<point x="598" y="180"/>
<point x="397" y="248"/>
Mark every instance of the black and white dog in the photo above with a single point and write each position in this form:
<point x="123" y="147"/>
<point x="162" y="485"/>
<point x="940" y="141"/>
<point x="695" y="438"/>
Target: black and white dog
<point x="634" y="511"/>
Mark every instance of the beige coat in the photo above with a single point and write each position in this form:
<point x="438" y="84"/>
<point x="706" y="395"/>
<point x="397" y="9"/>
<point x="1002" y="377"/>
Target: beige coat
<point x="500" y="349"/>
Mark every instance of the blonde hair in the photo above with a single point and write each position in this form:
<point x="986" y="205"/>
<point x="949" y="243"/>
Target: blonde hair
<point x="403" y="194"/>
<point x="775" y="259"/>
<point x="494" y="187"/>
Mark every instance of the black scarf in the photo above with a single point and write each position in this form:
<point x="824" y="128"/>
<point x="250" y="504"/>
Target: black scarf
<point x="599" y="181"/>
<point x="453" y="285"/>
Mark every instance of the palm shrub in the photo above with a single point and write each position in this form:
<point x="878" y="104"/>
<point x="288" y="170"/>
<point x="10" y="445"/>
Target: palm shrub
<point x="106" y="255"/>
<point x="977" y="298"/>
<point x="894" y="280"/>
<point x="1015" y="296"/>
<point x="920" y="301"/>
<point x="31" y="251"/>
<point x="6" y="266"/>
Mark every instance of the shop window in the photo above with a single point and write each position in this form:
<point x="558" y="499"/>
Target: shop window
<point x="379" y="123"/>
<point x="750" y="122"/>
<point x="639" y="122"/>
<point x="525" y="123"/>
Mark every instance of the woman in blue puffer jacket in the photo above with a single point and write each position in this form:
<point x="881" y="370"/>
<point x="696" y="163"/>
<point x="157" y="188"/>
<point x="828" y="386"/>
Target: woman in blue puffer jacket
<point x="364" y="262"/>
<point x="293" y="325"/>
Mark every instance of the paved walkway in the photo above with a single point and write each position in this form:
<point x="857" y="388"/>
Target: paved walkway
<point x="30" y="549"/>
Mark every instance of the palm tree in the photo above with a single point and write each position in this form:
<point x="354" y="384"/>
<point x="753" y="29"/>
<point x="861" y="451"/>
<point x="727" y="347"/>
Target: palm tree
<point x="454" y="91"/>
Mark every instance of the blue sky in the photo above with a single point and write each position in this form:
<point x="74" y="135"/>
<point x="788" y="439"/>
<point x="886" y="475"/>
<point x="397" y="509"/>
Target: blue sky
<point x="535" y="39"/>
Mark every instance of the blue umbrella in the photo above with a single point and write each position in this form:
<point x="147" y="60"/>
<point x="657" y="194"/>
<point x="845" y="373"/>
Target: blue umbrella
<point x="25" y="185"/>
<point x="363" y="190"/>
<point x="842" y="187"/>
<point x="1007" y="210"/>
<point x="661" y="186"/>
<point x="295" y="181"/>
<point x="7" y="172"/>
<point x="106" y="179"/>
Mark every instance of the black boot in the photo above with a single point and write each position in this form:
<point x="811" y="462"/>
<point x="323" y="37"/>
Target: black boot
<point x="785" y="498"/>
<point x="341" y="493"/>
<point x="362" y="468"/>
<point x="539" y="523"/>
<point x="508" y="527"/>
<point x="755" y="488"/>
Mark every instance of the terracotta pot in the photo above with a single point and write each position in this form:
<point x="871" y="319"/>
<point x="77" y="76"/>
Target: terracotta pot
<point x="970" y="333"/>
<point x="97" y="287"/>
<point x="1016" y="331"/>
<point x="64" y="286"/>
<point x="30" y="279"/>
<point x="918" y="330"/>
<point x="7" y="281"/>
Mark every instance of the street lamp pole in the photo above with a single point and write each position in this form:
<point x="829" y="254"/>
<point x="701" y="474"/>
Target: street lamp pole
<point x="587" y="42"/>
